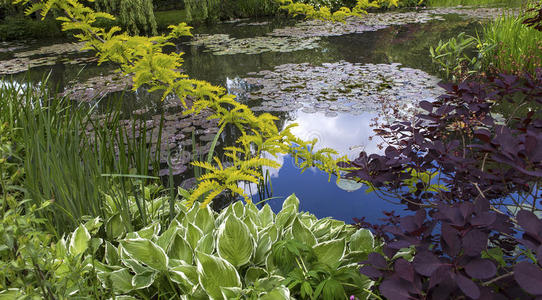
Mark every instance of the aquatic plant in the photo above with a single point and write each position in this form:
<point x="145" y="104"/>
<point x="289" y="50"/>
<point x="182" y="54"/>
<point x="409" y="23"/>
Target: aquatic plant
<point x="516" y="48"/>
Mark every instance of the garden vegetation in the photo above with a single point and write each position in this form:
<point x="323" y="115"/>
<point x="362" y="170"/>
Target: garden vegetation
<point x="471" y="180"/>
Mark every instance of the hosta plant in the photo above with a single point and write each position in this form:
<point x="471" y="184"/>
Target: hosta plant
<point x="240" y="253"/>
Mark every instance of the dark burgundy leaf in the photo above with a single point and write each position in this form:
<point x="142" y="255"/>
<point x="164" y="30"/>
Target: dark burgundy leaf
<point x="484" y="219"/>
<point x="371" y="272"/>
<point x="530" y="223"/>
<point x="395" y="289"/>
<point x="467" y="286"/>
<point x="425" y="263"/>
<point x="441" y="274"/>
<point x="539" y="255"/>
<point x="450" y="240"/>
<point x="426" y="105"/>
<point x="481" y="268"/>
<point x="474" y="242"/>
<point x="404" y="269"/>
<point x="529" y="277"/>
<point x="377" y="260"/>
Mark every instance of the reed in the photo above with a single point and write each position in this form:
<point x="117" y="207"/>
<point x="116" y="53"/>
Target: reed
<point x="64" y="164"/>
<point x="518" y="47"/>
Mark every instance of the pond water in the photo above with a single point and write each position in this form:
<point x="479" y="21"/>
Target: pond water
<point x="333" y="82"/>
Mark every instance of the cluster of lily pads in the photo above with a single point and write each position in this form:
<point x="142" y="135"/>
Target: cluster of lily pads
<point x="223" y="44"/>
<point x="43" y="56"/>
<point x="340" y="87"/>
<point x="97" y="87"/>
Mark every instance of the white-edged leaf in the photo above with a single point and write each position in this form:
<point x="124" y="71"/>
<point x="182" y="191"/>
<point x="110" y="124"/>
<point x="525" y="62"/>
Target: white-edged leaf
<point x="180" y="249"/>
<point x="143" y="280"/>
<point x="302" y="233"/>
<point x="146" y="252"/>
<point x="235" y="242"/>
<point x="205" y="219"/>
<point x="291" y="201"/>
<point x="266" y="215"/>
<point x="362" y="240"/>
<point x="330" y="252"/>
<point x="215" y="272"/>
<point x="79" y="240"/>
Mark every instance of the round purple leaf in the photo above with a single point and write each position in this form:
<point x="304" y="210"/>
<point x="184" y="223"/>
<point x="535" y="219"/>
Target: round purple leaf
<point x="481" y="268"/>
<point x="529" y="277"/>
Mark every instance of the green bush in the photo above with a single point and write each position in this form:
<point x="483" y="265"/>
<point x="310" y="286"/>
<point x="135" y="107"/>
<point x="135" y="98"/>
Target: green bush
<point x="21" y="27"/>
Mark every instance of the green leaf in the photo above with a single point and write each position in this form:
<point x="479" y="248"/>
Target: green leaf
<point x="121" y="281"/>
<point x="330" y="252"/>
<point x="165" y="239"/>
<point x="206" y="244"/>
<point x="291" y="201"/>
<point x="193" y="235"/>
<point x="238" y="209"/>
<point x="146" y="252"/>
<point x="94" y="225"/>
<point x="235" y="242"/>
<point x="495" y="254"/>
<point x="150" y="232"/>
<point x="362" y="240"/>
<point x="285" y="217"/>
<point x="180" y="249"/>
<point x="214" y="273"/>
<point x="205" y="219"/>
<point x="263" y="248"/>
<point x="253" y="274"/>
<point x="266" y="216"/>
<point x="143" y="280"/>
<point x="278" y="293"/>
<point x="114" y="227"/>
<point x="11" y="294"/>
<point x="231" y="292"/>
<point x="302" y="233"/>
<point x="79" y="240"/>
<point x="185" y="275"/>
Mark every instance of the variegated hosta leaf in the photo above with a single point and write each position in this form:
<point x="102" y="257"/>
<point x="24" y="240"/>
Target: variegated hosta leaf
<point x="215" y="273"/>
<point x="291" y="201"/>
<point x="302" y="233"/>
<point x="362" y="240"/>
<point x="330" y="252"/>
<point x="79" y="241"/>
<point x="266" y="216"/>
<point x="235" y="242"/>
<point x="180" y="249"/>
<point x="146" y="252"/>
<point x="205" y="219"/>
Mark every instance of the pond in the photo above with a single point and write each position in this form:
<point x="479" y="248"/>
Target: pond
<point x="334" y="80"/>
